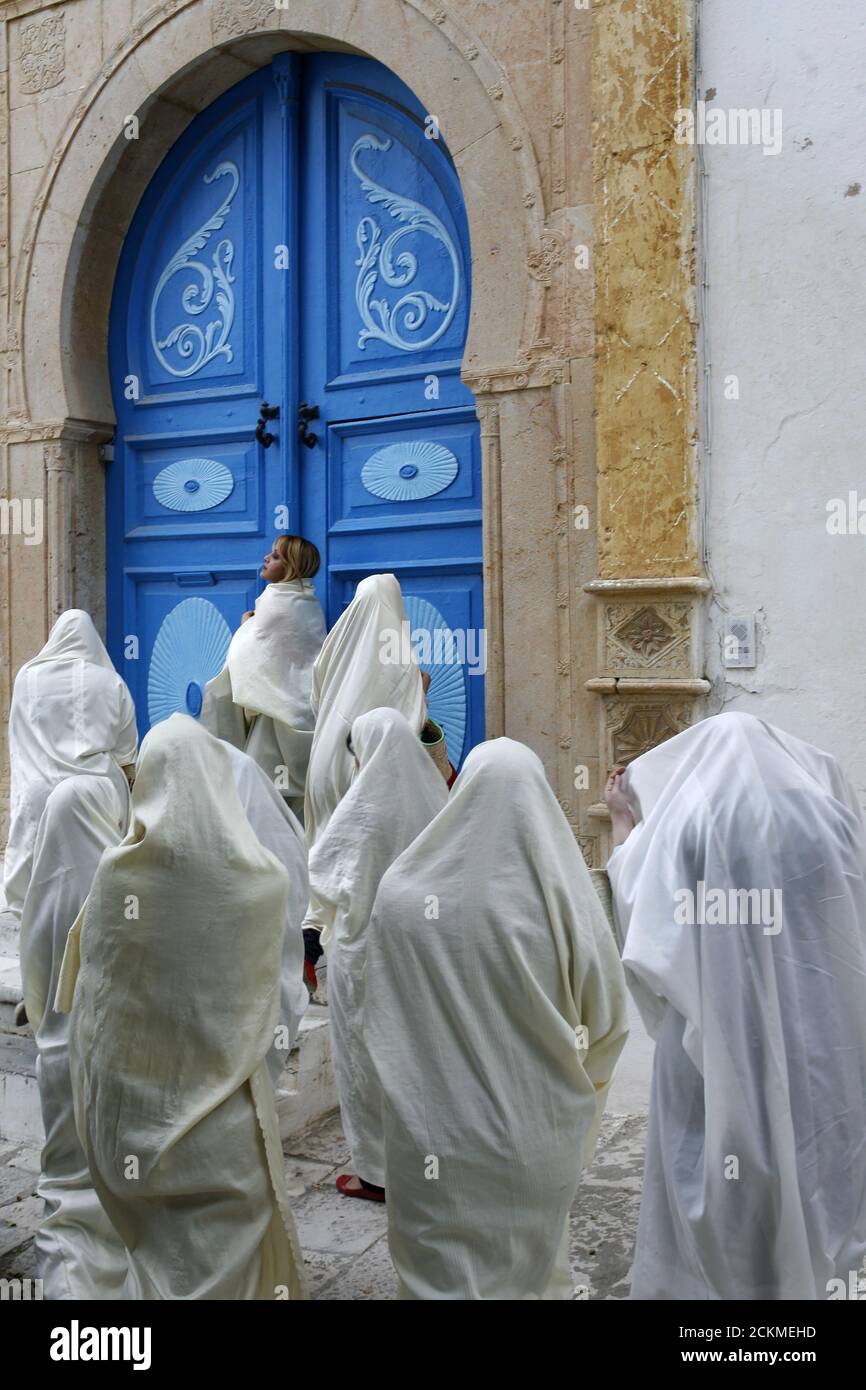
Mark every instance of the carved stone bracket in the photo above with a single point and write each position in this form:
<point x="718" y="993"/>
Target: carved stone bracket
<point x="544" y="372"/>
<point x="650" y="665"/>
<point x="44" y="431"/>
<point x="649" y="629"/>
<point x="634" y="726"/>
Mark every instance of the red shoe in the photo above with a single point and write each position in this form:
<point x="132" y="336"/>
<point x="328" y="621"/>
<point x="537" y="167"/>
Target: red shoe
<point x="368" y="1192"/>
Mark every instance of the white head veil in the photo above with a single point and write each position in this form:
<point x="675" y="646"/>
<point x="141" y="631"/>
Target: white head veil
<point x="83" y="817"/>
<point x="742" y="899"/>
<point x="71" y="713"/>
<point x="175" y="1005"/>
<point x="356" y="672"/>
<point x="495" y="1014"/>
<point x="73" y="638"/>
<point x="396" y="793"/>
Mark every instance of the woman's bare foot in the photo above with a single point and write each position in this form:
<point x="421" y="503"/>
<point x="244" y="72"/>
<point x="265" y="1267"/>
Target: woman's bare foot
<point x="622" y="820"/>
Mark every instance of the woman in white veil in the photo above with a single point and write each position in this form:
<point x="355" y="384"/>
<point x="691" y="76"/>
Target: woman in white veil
<point x="494" y="1017"/>
<point x="363" y="665"/>
<point x="172" y="972"/>
<point x="71" y="713"/>
<point x="280" y="832"/>
<point x="260" y="701"/>
<point x="79" y="1255"/>
<point x="741" y="898"/>
<point x="396" y="792"/>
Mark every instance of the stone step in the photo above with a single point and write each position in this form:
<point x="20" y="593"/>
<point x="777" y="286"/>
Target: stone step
<point x="20" y="1114"/>
<point x="306" y="1091"/>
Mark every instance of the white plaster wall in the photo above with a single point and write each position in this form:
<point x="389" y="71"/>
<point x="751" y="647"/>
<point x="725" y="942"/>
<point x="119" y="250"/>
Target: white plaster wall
<point x="785" y="260"/>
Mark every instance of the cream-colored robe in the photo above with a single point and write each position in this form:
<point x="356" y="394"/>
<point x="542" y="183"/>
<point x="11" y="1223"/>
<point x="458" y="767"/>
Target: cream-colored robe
<point x="495" y="1015"/>
<point x="175" y="965"/>
<point x="741" y="897"/>
<point x="79" y="1255"/>
<point x="71" y="713"/>
<point x="396" y="792"/>
<point x="280" y="832"/>
<point x="355" y="673"/>
<point x="260" y="701"/>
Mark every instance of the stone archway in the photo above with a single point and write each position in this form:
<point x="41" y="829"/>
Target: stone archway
<point x="176" y="60"/>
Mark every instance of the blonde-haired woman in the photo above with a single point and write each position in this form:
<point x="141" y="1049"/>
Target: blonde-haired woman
<point x="260" y="701"/>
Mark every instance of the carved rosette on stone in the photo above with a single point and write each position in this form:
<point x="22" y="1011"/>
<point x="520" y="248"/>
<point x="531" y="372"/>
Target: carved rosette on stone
<point x="650" y="666"/>
<point x="42" y="53"/>
<point x="232" y="18"/>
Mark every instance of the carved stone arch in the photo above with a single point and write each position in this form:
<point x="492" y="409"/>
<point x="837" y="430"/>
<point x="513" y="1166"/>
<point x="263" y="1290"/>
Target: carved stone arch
<point x="181" y="56"/>
<point x="177" y="60"/>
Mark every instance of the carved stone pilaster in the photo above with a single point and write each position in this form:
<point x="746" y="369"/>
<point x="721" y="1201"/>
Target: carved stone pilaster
<point x="60" y="456"/>
<point x="491" y="480"/>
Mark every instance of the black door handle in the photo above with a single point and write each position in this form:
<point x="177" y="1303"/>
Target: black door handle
<point x="268" y="412"/>
<point x="305" y="413"/>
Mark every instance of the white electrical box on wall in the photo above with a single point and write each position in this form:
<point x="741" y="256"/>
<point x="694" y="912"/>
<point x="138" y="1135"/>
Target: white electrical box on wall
<point x="739" y="648"/>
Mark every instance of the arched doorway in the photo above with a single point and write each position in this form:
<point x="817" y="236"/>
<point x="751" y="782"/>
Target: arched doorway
<point x="305" y="241"/>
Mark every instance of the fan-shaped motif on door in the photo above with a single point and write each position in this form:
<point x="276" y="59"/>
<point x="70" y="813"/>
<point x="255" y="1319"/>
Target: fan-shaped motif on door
<point x="409" y="472"/>
<point x="446" y="698"/>
<point x="190" y="649"/>
<point x="193" y="485"/>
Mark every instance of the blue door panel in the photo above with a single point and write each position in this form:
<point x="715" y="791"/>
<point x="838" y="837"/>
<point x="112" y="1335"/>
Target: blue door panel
<point x="304" y="241"/>
<point x="403" y="471"/>
<point x="187" y="617"/>
<point x="191" y="494"/>
<point x="397" y="284"/>
<point x="196" y="305"/>
<point x="208" y="481"/>
<point x="394" y="482"/>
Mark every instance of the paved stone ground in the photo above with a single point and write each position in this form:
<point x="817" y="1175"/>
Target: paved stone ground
<point x="345" y="1244"/>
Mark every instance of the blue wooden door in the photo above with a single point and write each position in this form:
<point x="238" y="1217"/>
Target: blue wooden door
<point x="394" y="480"/>
<point x="305" y="241"/>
